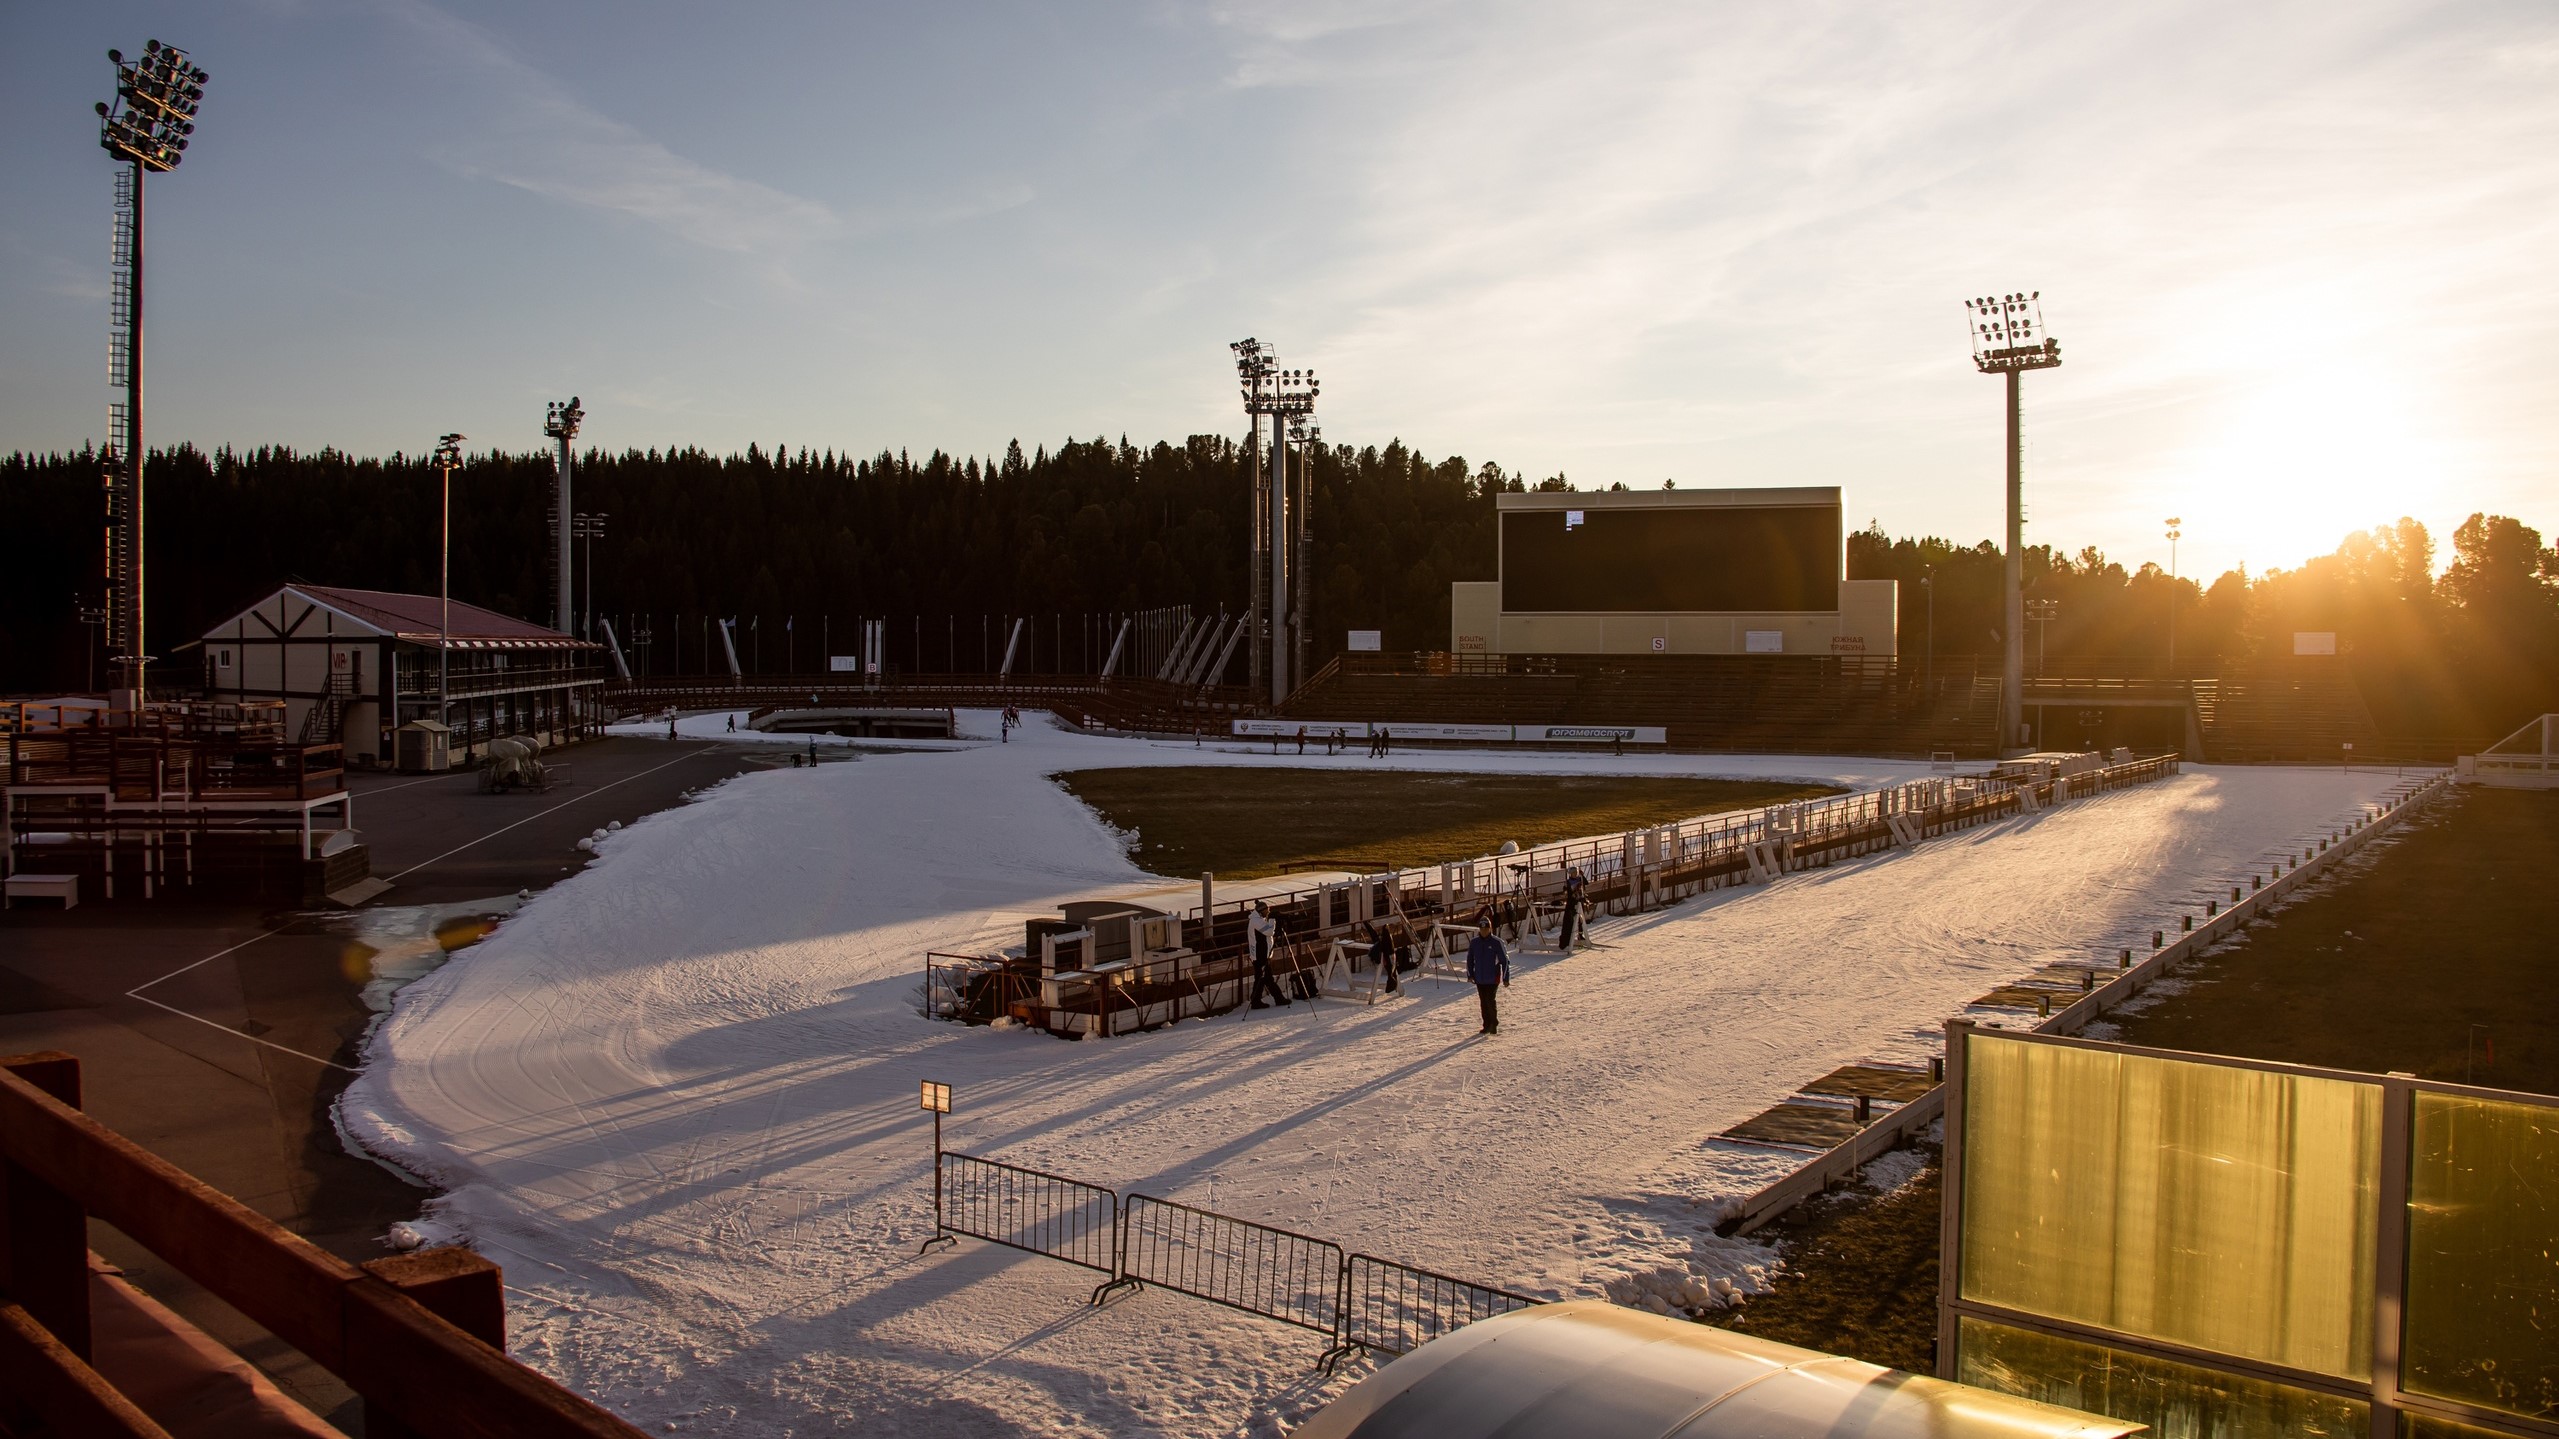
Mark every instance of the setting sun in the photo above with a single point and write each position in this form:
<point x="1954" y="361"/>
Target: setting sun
<point x="2297" y="464"/>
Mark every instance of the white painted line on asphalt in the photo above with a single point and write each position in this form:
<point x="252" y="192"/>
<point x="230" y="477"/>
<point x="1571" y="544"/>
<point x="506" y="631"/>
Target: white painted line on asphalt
<point x="226" y="1029"/>
<point x="530" y="818"/>
<point x="137" y="994"/>
<point x="136" y="991"/>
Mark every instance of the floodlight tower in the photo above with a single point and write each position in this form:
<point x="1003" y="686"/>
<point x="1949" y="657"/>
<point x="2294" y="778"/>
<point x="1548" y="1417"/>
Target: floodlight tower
<point x="1282" y="395"/>
<point x="2008" y="339"/>
<point x="561" y="424"/>
<point x="448" y="458"/>
<point x="1256" y="367"/>
<point x="156" y="100"/>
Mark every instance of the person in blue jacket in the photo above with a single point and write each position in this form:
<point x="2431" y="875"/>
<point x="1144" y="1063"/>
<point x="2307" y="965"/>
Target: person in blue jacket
<point x="1489" y="966"/>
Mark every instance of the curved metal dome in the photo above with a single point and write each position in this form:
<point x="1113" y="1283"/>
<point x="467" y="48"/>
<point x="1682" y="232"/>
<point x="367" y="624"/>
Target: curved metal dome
<point x="1592" y="1370"/>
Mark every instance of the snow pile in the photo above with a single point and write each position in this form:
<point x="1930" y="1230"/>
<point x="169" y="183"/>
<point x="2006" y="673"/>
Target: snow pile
<point x="676" y="1094"/>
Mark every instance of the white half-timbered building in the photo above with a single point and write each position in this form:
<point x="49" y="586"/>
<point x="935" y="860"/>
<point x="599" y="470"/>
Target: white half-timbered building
<point x="355" y="665"/>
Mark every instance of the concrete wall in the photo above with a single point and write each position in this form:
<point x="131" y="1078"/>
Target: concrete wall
<point x="1474" y="616"/>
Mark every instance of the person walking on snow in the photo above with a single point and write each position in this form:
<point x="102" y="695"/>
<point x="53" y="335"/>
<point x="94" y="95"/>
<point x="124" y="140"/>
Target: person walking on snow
<point x="733" y="724"/>
<point x="1262" y="933"/>
<point x="1301" y="741"/>
<point x="1489" y="966"/>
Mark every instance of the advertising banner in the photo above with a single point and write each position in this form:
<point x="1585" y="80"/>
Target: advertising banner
<point x="1368" y="639"/>
<point x="1287" y="729"/>
<point x="842" y="664"/>
<point x="1479" y="733"/>
<point x="1590" y="734"/>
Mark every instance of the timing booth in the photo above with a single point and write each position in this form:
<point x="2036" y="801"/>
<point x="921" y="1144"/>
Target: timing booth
<point x="1680" y="572"/>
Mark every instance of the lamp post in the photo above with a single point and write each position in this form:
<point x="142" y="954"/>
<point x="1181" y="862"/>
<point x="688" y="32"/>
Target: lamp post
<point x="936" y="1100"/>
<point x="147" y="127"/>
<point x="95" y="617"/>
<point x="588" y="527"/>
<point x="448" y="458"/>
<point x="2008" y="339"/>
<point x="2042" y="613"/>
<point x="2176" y="527"/>
<point x="1309" y="436"/>
<point x="1928" y="589"/>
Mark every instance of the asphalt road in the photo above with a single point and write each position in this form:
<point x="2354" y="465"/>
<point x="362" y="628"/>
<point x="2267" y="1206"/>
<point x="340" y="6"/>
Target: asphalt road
<point x="220" y="1035"/>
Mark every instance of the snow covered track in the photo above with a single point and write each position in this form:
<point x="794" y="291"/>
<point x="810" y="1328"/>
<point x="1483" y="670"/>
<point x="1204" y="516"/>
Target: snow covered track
<point x="675" y="1096"/>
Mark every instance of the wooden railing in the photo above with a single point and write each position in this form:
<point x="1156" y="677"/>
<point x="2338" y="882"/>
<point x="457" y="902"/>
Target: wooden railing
<point x="419" y="1338"/>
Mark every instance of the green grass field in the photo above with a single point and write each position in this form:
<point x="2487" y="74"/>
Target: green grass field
<point x="1244" y="823"/>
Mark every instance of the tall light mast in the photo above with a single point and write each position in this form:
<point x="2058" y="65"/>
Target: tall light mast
<point x="2009" y="339"/>
<point x="147" y="127"/>
<point x="561" y="424"/>
<point x="1282" y="395"/>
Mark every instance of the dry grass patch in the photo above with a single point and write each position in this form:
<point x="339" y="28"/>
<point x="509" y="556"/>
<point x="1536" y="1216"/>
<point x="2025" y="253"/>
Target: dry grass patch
<point x="1244" y="823"/>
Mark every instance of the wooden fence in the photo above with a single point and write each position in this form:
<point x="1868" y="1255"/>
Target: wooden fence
<point x="420" y="1338"/>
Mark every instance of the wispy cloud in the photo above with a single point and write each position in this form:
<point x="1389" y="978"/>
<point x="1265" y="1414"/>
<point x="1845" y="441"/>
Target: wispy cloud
<point x="1724" y="240"/>
<point x="531" y="135"/>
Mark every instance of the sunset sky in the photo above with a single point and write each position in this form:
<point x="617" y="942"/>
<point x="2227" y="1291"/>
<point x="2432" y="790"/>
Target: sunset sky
<point x="2299" y="256"/>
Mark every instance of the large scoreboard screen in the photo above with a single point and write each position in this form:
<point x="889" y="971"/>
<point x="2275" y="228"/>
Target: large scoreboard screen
<point x="1761" y="559"/>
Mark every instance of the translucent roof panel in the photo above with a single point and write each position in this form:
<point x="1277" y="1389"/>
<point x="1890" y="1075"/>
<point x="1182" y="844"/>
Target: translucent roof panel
<point x="1593" y="1370"/>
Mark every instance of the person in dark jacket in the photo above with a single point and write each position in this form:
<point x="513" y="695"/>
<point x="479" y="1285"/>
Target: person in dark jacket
<point x="1489" y="966"/>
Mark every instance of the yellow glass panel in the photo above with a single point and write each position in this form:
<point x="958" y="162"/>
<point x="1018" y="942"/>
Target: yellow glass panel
<point x="2210" y="1206"/>
<point x="2426" y="1426"/>
<point x="2177" y="1401"/>
<point x="2483" y="1255"/>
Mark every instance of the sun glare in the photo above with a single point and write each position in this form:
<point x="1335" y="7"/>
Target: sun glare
<point x="2300" y="463"/>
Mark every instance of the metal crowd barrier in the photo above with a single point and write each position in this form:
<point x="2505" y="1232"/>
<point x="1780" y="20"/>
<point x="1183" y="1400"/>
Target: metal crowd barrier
<point x="1393" y="1308"/>
<point x="1276" y="1273"/>
<point x="1026" y="1209"/>
<point x="1357" y="1301"/>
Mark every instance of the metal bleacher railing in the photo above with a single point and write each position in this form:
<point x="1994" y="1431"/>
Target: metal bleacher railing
<point x="1356" y="1301"/>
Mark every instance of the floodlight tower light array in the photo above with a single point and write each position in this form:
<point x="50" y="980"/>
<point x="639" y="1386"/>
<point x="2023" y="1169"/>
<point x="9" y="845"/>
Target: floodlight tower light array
<point x="2008" y="333"/>
<point x="157" y="97"/>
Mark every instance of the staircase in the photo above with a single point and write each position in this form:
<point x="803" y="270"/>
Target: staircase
<point x="326" y="722"/>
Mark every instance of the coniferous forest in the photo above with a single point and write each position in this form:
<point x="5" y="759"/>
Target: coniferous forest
<point x="1096" y="527"/>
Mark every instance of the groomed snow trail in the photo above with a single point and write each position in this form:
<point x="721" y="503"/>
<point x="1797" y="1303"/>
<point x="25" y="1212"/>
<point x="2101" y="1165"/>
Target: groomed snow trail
<point x="675" y="1095"/>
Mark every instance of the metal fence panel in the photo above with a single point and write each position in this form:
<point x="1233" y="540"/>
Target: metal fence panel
<point x="1029" y="1209"/>
<point x="1395" y="1308"/>
<point x="1276" y="1273"/>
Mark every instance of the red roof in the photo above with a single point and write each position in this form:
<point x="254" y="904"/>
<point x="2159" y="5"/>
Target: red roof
<point x="415" y="617"/>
